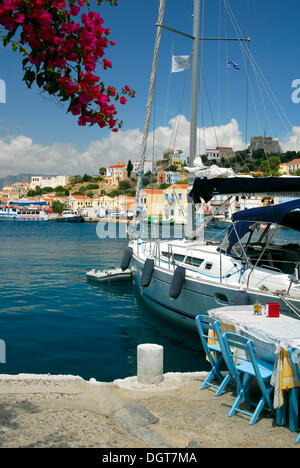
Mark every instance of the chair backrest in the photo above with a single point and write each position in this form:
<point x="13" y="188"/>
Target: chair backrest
<point x="233" y="342"/>
<point x="295" y="359"/>
<point x="204" y="324"/>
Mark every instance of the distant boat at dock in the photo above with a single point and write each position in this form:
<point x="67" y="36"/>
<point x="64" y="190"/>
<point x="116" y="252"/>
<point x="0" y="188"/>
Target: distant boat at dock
<point x="69" y="216"/>
<point x="24" y="210"/>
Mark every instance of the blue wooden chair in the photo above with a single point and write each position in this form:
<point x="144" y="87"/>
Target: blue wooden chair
<point x="214" y="352"/>
<point x="295" y="359"/>
<point x="244" y="365"/>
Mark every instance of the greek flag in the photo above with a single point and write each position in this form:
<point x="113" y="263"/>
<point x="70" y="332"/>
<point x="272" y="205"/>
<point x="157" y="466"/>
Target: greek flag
<point x="230" y="64"/>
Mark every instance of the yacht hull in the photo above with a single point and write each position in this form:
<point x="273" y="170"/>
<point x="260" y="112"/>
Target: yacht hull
<point x="196" y="297"/>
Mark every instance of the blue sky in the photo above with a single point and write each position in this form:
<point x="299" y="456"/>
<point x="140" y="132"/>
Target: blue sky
<point x="37" y="135"/>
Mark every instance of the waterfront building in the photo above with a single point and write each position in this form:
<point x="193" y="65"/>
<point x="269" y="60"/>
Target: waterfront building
<point x="175" y="201"/>
<point x="151" y="201"/>
<point x="105" y="206"/>
<point x="77" y="202"/>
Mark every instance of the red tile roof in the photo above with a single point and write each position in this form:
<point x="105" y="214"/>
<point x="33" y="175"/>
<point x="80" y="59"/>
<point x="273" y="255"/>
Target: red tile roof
<point x="293" y="161"/>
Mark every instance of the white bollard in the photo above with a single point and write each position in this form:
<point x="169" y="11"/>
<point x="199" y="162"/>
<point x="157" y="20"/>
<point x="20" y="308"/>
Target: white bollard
<point x="150" y="364"/>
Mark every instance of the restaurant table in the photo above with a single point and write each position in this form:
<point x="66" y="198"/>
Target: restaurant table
<point x="272" y="337"/>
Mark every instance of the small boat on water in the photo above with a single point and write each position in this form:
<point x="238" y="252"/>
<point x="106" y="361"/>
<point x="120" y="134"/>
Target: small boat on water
<point x="112" y="275"/>
<point x="160" y="221"/>
<point x="24" y="210"/>
<point x="68" y="216"/>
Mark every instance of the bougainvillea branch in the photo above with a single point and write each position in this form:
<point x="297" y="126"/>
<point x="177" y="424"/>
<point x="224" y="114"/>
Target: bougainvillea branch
<point x="62" y="47"/>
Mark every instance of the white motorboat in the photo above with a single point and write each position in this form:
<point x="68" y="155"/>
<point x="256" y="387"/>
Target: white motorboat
<point x="111" y="275"/>
<point x="69" y="216"/>
<point x="182" y="278"/>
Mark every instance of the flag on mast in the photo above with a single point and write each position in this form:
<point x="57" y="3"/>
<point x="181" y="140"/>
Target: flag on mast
<point x="230" y="64"/>
<point x="180" y="63"/>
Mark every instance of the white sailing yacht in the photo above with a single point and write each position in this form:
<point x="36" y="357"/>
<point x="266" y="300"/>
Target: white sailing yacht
<point x="182" y="278"/>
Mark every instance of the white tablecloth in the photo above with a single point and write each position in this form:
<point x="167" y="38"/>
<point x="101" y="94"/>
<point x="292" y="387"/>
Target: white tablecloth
<point x="269" y="334"/>
<point x="283" y="331"/>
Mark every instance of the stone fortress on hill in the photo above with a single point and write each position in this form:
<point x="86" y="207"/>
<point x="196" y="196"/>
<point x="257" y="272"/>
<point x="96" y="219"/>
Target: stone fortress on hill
<point x="269" y="145"/>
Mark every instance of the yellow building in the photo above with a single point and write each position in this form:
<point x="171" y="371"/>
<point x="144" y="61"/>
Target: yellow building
<point x="175" y="201"/>
<point x="175" y="158"/>
<point x="151" y="201"/>
<point x="283" y="168"/>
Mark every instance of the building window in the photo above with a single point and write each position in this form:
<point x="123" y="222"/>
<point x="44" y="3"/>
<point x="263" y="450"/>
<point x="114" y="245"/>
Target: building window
<point x="179" y="196"/>
<point x="166" y="196"/>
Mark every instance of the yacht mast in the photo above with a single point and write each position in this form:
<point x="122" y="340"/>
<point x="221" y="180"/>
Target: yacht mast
<point x="195" y="74"/>
<point x="194" y="104"/>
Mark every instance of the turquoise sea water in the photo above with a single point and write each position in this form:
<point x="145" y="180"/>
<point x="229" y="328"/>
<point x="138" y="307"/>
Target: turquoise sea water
<point x="54" y="321"/>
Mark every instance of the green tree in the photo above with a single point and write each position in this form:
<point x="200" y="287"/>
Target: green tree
<point x="58" y="206"/>
<point x="102" y="170"/>
<point x="270" y="166"/>
<point x="124" y="184"/>
<point x="86" y="178"/>
<point x="75" y="179"/>
<point x="31" y="193"/>
<point x="92" y="187"/>
<point x="129" y="168"/>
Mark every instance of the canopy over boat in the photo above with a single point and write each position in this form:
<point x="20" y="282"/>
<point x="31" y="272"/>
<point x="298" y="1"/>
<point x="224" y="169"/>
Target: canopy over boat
<point x="282" y="214"/>
<point x="285" y="214"/>
<point x="268" y="186"/>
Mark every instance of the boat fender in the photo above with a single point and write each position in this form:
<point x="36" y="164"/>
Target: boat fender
<point x="241" y="298"/>
<point x="177" y="282"/>
<point x="128" y="252"/>
<point x="147" y="272"/>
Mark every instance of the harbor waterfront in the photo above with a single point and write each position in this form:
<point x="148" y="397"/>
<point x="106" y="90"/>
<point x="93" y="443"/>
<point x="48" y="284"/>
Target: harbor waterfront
<point x="54" y="321"/>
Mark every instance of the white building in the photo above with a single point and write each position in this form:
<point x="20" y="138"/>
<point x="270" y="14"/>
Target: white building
<point x="148" y="166"/>
<point x="48" y="181"/>
<point x="220" y="152"/>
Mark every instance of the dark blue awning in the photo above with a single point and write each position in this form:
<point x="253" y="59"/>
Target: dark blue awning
<point x="269" y="186"/>
<point x="285" y="214"/>
<point x="279" y="214"/>
<point x="234" y="233"/>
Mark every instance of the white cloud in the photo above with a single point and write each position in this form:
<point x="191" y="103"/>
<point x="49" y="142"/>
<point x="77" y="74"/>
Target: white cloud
<point x="21" y="154"/>
<point x="292" y="141"/>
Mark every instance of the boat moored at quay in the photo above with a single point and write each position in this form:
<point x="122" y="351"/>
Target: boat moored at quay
<point x="186" y="277"/>
<point x="24" y="211"/>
